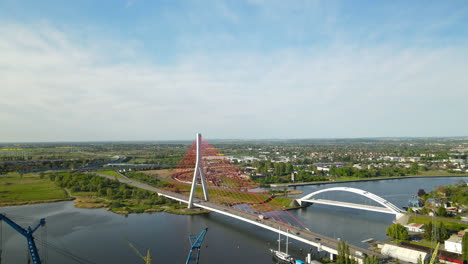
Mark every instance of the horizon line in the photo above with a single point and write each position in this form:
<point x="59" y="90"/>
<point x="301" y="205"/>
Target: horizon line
<point x="231" y="139"/>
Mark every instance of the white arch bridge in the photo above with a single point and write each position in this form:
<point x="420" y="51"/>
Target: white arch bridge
<point x="387" y="207"/>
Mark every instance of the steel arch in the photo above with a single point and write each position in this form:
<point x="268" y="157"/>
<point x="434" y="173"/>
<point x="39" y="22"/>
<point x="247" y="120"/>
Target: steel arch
<point x="367" y="194"/>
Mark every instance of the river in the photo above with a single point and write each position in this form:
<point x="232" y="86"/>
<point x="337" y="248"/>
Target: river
<point x="100" y="236"/>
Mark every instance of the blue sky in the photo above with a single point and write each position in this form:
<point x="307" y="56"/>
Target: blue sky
<point x="155" y="70"/>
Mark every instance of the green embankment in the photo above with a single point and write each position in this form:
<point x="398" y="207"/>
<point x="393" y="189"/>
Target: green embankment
<point x="283" y="201"/>
<point x="435" y="173"/>
<point x="430" y="173"/>
<point x="29" y="188"/>
<point x="449" y="225"/>
<point x="424" y="244"/>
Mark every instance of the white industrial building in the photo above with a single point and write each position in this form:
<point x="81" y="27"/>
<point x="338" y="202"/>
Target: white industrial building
<point x="454" y="244"/>
<point x="404" y="254"/>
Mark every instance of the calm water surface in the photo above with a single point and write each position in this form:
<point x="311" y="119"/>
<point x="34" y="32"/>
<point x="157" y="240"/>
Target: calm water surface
<point x="99" y="236"/>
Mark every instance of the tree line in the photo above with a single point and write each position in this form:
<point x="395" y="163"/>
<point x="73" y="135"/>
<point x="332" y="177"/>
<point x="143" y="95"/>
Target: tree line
<point x="46" y="164"/>
<point x="273" y="168"/>
<point x="80" y="182"/>
<point x="374" y="172"/>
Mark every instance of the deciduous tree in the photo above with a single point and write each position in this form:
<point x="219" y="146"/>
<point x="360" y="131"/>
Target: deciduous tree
<point x="397" y="231"/>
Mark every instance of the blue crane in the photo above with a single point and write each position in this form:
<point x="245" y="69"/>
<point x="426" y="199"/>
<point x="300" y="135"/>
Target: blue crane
<point x="196" y="242"/>
<point x="28" y="233"/>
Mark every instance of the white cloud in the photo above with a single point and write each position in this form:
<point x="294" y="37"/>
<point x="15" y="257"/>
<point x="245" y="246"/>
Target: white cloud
<point x="53" y="88"/>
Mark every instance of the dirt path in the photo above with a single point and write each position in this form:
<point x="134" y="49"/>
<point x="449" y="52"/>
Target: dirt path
<point x="69" y="194"/>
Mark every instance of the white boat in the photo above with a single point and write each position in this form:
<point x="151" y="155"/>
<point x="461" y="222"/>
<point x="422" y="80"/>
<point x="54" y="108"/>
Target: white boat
<point x="282" y="256"/>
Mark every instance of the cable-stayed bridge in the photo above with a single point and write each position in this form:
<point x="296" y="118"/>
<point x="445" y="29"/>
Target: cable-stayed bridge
<point x="205" y="179"/>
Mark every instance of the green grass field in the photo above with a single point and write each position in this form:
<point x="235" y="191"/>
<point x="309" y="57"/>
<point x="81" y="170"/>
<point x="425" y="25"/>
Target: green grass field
<point x="85" y="194"/>
<point x="283" y="201"/>
<point x="424" y="244"/>
<point x="14" y="188"/>
<point x="450" y="225"/>
<point x="430" y="173"/>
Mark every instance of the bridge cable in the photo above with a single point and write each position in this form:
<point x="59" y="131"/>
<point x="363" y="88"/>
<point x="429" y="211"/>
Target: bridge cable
<point x="257" y="195"/>
<point x="278" y="205"/>
<point x="244" y="196"/>
<point x="219" y="172"/>
<point x="66" y="253"/>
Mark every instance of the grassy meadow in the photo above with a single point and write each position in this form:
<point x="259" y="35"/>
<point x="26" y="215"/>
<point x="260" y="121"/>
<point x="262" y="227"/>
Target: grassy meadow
<point x="16" y="189"/>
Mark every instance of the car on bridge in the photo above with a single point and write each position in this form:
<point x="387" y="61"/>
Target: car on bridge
<point x="262" y="217"/>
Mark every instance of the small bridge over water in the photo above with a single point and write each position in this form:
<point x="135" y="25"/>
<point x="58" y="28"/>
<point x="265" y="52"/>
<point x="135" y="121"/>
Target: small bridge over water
<point x="387" y="207"/>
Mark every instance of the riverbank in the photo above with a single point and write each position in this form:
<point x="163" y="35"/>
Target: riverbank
<point x="17" y="189"/>
<point x="285" y="185"/>
<point x="131" y="206"/>
<point x="451" y="223"/>
<point x="21" y="189"/>
<point x="18" y="203"/>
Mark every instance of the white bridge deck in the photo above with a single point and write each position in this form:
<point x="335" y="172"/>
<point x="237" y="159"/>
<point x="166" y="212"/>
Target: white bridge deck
<point x="351" y="205"/>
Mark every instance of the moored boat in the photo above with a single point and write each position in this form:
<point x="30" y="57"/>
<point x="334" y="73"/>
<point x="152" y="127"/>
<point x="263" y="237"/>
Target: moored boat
<point x="282" y="256"/>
